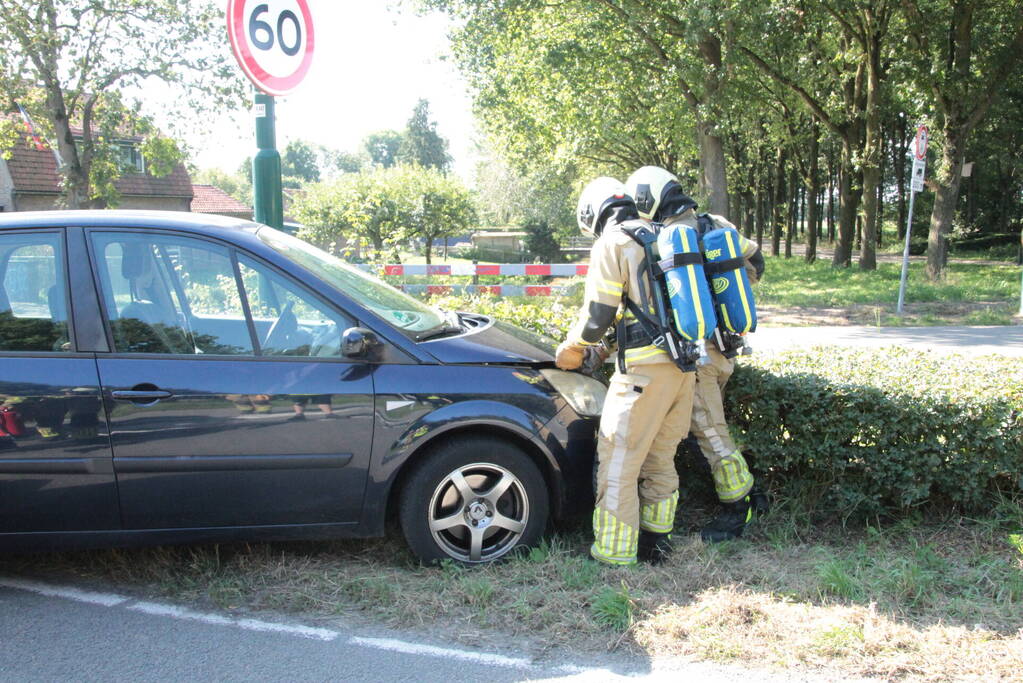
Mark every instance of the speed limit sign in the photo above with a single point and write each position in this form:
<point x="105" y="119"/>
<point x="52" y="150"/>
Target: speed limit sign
<point x="273" y="41"/>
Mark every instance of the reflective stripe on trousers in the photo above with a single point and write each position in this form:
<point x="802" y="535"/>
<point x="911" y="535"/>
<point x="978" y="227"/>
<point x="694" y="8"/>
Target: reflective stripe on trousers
<point x="732" y="478"/>
<point x="659" y="517"/>
<point x="614" y="541"/>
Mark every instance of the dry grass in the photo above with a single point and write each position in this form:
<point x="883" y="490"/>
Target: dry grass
<point x="914" y="601"/>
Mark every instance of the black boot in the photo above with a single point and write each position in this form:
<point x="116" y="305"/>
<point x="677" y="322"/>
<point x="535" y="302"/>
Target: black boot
<point x="654" y="548"/>
<point x="730" y="522"/>
<point x="759" y="500"/>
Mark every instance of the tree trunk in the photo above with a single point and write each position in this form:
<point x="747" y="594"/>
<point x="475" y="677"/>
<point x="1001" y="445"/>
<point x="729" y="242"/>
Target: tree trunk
<point x="761" y="215"/>
<point x="749" y="209"/>
<point x="713" y="180"/>
<point x="879" y="230"/>
<point x="429" y="249"/>
<point x="831" y="197"/>
<point x="75" y="173"/>
<point x="946" y="193"/>
<point x="780" y="203"/>
<point x="813" y="189"/>
<point x="873" y="142"/>
<point x="848" y="200"/>
<point x="793" y="212"/>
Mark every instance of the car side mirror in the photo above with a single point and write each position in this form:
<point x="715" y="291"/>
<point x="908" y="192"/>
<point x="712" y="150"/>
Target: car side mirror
<point x="358" y="342"/>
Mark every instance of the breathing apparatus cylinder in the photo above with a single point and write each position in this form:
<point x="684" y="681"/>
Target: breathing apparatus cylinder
<point x="692" y="306"/>
<point x="733" y="296"/>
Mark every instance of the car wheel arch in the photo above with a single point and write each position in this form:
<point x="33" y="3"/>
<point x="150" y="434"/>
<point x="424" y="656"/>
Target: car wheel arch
<point x="540" y="457"/>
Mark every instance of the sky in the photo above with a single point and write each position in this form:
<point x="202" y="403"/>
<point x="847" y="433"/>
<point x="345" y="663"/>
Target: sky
<point x="371" y="64"/>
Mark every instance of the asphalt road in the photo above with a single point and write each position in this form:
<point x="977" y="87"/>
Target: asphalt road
<point x="51" y="633"/>
<point x="1004" y="340"/>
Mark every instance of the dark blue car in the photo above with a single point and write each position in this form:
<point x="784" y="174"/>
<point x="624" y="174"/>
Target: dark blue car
<point x="168" y="377"/>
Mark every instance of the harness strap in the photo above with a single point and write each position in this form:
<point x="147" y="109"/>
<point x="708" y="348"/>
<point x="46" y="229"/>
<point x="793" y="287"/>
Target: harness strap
<point x="712" y="268"/>
<point x="677" y="261"/>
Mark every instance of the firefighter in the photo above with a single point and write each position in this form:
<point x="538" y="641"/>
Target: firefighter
<point x="649" y="400"/>
<point x="660" y="199"/>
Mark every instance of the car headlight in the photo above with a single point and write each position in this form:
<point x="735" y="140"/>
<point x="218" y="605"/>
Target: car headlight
<point x="583" y="393"/>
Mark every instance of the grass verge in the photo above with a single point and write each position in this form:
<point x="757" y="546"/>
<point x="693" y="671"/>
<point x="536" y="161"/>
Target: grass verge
<point x="916" y="600"/>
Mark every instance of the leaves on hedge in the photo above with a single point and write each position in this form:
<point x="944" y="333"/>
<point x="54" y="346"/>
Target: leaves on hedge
<point x="883" y="430"/>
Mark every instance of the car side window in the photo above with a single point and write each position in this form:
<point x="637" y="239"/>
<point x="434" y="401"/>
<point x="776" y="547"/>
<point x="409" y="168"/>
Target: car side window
<point x="171" y="294"/>
<point x="290" y="321"/>
<point x="33" y="293"/>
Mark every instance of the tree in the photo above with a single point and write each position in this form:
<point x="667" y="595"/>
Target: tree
<point x="622" y="83"/>
<point x="382" y="147"/>
<point x="345" y="162"/>
<point x="300" y="161"/>
<point x="540" y="195"/>
<point x="387" y="207"/>
<point x="421" y="144"/>
<point x="67" y="62"/>
<point x="429" y="205"/>
<point x="964" y="51"/>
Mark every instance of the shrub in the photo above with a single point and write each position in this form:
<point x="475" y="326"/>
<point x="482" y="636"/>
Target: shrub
<point x="853" y="431"/>
<point x="873" y="431"/>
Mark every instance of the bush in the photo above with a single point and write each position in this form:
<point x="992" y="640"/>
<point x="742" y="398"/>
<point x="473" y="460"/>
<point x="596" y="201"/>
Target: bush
<point x="853" y="431"/>
<point x="871" y="431"/>
<point x="540" y="243"/>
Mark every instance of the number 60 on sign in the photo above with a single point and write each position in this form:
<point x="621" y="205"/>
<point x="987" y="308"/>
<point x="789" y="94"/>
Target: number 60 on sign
<point x="272" y="40"/>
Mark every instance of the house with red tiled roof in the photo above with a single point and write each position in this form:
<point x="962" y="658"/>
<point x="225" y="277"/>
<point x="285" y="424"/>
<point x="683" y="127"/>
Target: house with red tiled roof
<point x="30" y="181"/>
<point x="211" y="199"/>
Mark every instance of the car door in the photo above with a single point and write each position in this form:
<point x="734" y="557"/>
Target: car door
<point x="229" y="401"/>
<point x="55" y="461"/>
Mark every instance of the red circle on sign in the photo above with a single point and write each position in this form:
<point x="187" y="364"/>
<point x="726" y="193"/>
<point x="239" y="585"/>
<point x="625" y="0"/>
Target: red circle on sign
<point x="920" y="145"/>
<point x="268" y="83"/>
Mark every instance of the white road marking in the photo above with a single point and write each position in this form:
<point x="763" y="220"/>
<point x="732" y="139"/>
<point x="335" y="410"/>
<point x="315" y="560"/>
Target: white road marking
<point x="448" y="653"/>
<point x="291" y="629"/>
<point x="158" y="609"/>
<point x="68" y="593"/>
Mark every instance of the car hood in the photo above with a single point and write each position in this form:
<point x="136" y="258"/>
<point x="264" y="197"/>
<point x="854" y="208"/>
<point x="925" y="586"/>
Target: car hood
<point x="489" y="341"/>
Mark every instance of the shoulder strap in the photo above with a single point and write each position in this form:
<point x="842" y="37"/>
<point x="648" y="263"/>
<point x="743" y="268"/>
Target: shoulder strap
<point x="704" y="223"/>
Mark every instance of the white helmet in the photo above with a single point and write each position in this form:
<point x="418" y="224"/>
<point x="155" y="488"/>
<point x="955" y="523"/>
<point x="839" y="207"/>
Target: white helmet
<point x="651" y="186"/>
<point x="600" y="195"/>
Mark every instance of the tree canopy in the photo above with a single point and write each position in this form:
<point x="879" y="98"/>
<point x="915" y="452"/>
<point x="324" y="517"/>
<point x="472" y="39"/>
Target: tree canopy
<point x="68" y="63"/>
<point x="421" y="144"/>
<point x="386" y="208"/>
<point x="768" y="110"/>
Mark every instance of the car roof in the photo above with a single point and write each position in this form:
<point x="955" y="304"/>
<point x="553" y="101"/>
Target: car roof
<point x="106" y="218"/>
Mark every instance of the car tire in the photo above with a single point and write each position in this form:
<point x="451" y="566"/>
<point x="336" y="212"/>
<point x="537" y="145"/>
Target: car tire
<point x="473" y="500"/>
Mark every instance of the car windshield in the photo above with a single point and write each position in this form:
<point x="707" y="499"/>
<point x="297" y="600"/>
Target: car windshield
<point x="408" y="314"/>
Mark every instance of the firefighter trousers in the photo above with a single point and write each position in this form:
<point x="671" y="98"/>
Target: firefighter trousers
<point x="646" y="415"/>
<point x="732" y="478"/>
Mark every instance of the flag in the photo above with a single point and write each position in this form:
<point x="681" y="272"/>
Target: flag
<point x="30" y="127"/>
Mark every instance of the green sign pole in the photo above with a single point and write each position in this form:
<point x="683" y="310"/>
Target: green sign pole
<point x="266" y="166"/>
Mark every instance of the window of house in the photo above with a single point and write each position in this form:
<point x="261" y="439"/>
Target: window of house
<point x="131" y="158"/>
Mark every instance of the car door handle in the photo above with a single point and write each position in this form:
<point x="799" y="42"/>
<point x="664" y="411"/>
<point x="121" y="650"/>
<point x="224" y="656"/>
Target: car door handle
<point x="141" y="396"/>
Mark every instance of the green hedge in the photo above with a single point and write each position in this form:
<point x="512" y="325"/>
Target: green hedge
<point x="854" y="431"/>
<point x="875" y="431"/>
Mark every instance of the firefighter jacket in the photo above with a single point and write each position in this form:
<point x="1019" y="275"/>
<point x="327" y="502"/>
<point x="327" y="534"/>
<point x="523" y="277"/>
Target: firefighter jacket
<point x="616" y="271"/>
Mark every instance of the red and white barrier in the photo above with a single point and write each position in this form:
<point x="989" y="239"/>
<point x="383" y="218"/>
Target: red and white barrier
<point x="469" y="269"/>
<point x="493" y="290"/>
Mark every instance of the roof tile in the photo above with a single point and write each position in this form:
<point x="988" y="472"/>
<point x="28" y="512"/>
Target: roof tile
<point x="35" y="170"/>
